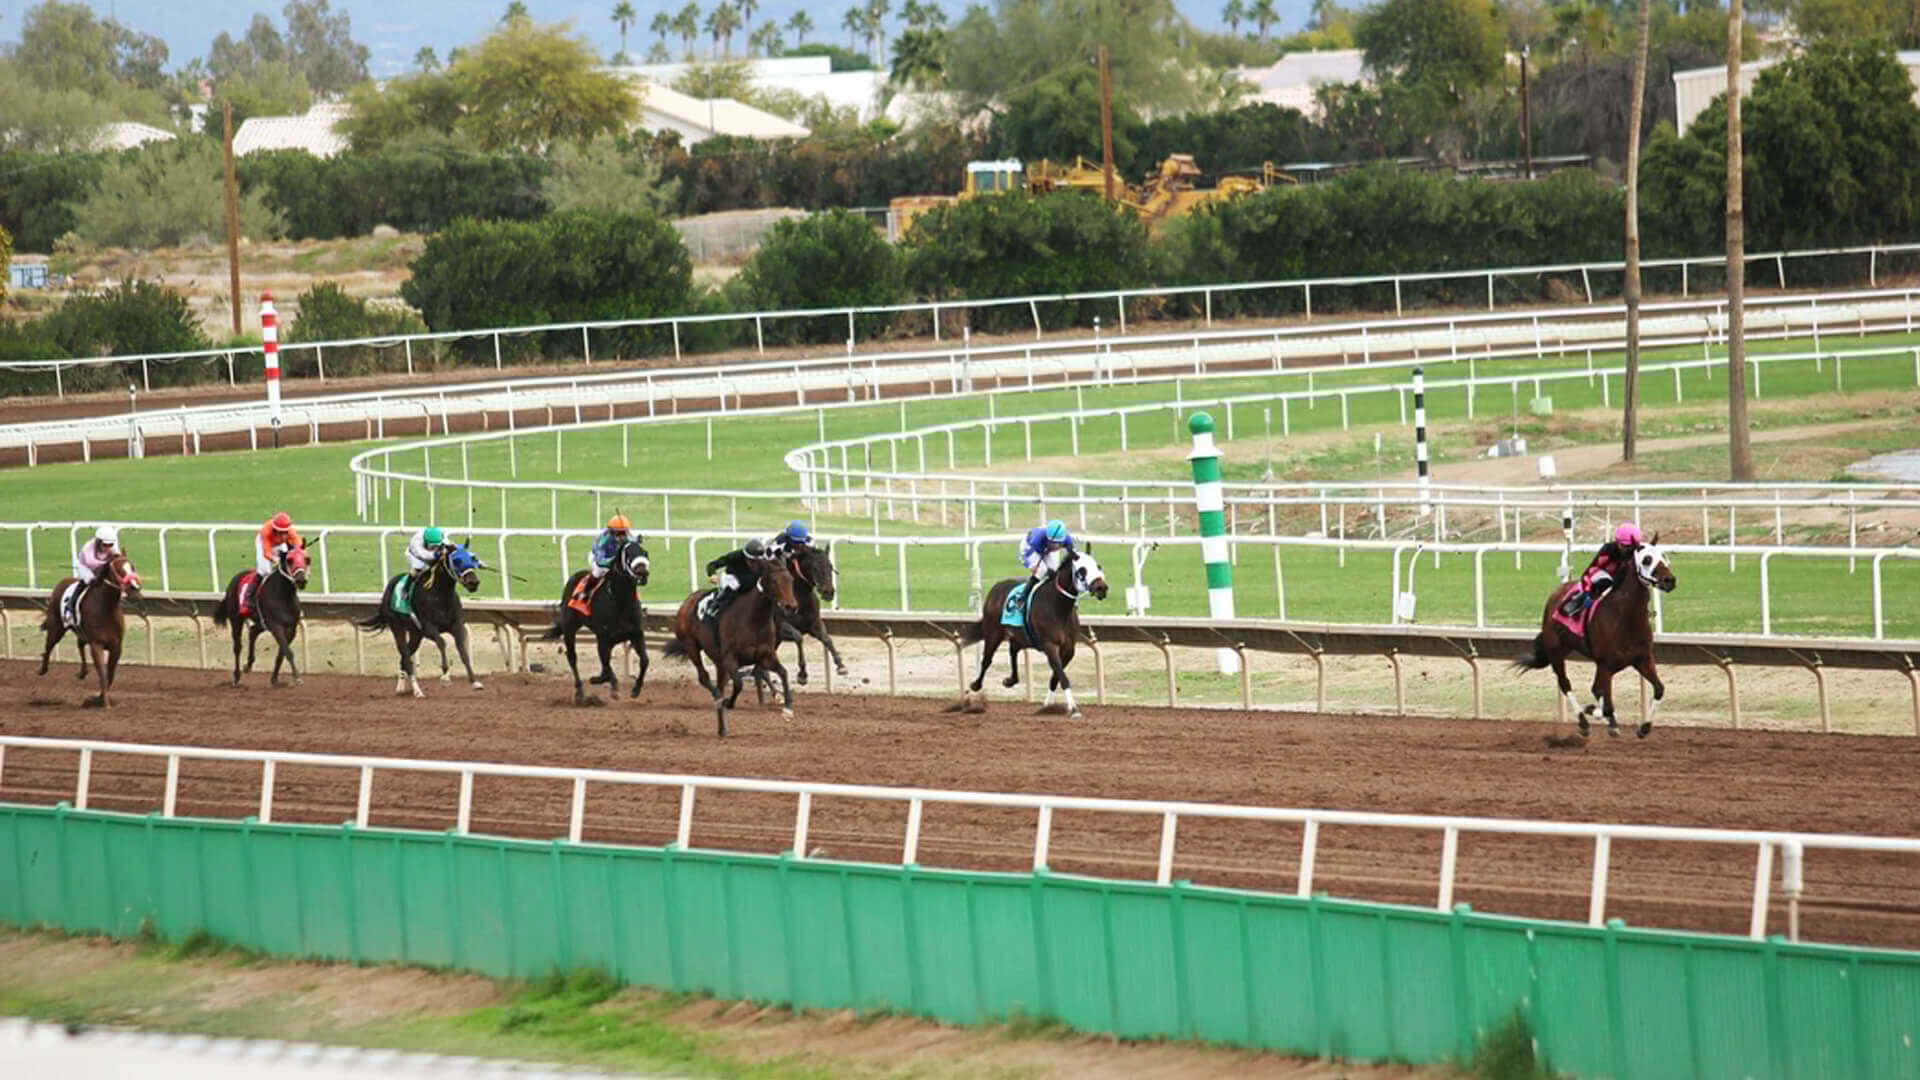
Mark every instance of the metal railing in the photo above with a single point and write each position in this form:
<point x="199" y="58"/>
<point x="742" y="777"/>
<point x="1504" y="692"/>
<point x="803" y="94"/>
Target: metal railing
<point x="971" y="369"/>
<point x="934" y="310"/>
<point x="1791" y="847"/>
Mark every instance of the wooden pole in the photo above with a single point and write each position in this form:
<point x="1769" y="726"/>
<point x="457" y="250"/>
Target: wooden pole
<point x="1526" y="125"/>
<point x="1106" y="121"/>
<point x="1630" y="288"/>
<point x="1739" y="444"/>
<point x="233" y="217"/>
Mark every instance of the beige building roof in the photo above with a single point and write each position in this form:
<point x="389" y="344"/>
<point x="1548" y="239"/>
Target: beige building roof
<point x="128" y="134"/>
<point x="663" y="108"/>
<point x="312" y="132"/>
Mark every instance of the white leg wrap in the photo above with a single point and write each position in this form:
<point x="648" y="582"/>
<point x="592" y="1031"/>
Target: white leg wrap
<point x="400" y="684"/>
<point x="1049" y="700"/>
<point x="1573" y="704"/>
<point x="1071" y="707"/>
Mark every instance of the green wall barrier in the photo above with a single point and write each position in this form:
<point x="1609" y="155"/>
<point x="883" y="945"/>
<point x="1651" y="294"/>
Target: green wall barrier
<point x="1315" y="977"/>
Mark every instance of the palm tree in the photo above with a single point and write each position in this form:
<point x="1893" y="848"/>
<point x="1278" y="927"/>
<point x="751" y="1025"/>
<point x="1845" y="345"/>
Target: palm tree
<point x="687" y="25"/>
<point x="877" y="29"/>
<point x="1323" y="13"/>
<point x="801" y="24"/>
<point x="1739" y="441"/>
<point x="747" y="8"/>
<point x="1263" y="15"/>
<point x="722" y="21"/>
<point x="657" y="53"/>
<point x="933" y="15"/>
<point x="623" y="16"/>
<point x="425" y="59"/>
<point x="516" y="12"/>
<point x="855" y="24"/>
<point x="661" y="26"/>
<point x="911" y="12"/>
<point x="918" y="59"/>
<point x="1630" y="289"/>
<point x="1234" y="12"/>
<point x="766" y="39"/>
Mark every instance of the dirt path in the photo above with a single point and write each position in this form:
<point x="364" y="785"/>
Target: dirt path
<point x="1572" y="461"/>
<point x="1773" y="780"/>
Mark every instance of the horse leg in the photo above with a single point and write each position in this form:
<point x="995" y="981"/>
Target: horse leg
<point x="81" y="647"/>
<point x="466" y="656"/>
<point x="1581" y="716"/>
<point x="786" y="688"/>
<point x="446" y="671"/>
<point x="98" y="652"/>
<point x="286" y="650"/>
<point x="605" y="648"/>
<point x="990" y="643"/>
<point x="1644" y="665"/>
<point x="253" y="639"/>
<point x="722" y="671"/>
<point x="826" y="642"/>
<point x="239" y="629"/>
<point x="573" y="664"/>
<point x="1058" y="679"/>
<point x="53" y="638"/>
<point x="1603" y="695"/>
<point x="790" y="632"/>
<point x="406" y="641"/>
<point x="1013" y="666"/>
<point x="640" y="650"/>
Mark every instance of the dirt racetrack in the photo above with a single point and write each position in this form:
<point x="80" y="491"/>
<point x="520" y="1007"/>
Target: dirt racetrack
<point x="1770" y="780"/>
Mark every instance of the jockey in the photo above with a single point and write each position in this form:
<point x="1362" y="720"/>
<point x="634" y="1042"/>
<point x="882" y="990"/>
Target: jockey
<point x="600" y="557"/>
<point x="275" y="539"/>
<point x="734" y="573"/>
<point x="793" y="540"/>
<point x="1598" y="575"/>
<point x="94" y="555"/>
<point x="423" y="550"/>
<point x="1044" y="549"/>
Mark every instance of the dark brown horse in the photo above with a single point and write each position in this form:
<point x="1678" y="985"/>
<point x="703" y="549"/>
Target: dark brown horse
<point x="276" y="611"/>
<point x="103" y="622"/>
<point x="616" y="618"/>
<point x="1619" y="635"/>
<point x="1052" y="626"/>
<point x="813" y="581"/>
<point x="745" y="636"/>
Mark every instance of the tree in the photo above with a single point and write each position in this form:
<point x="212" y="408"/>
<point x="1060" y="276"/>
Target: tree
<point x="516" y="12"/>
<point x="1452" y="44"/>
<point x="1153" y="61"/>
<point x="854" y="22"/>
<point x="430" y="101"/>
<point x="6" y="256"/>
<point x="1843" y="20"/>
<point x="38" y="116"/>
<point x="766" y="39"/>
<point x="320" y="42"/>
<point x="597" y="176"/>
<point x="801" y="24"/>
<point x="1263" y="15"/>
<point x="624" y="16"/>
<point x="1059" y="117"/>
<point x="746" y="9"/>
<point x="269" y="88"/>
<point x="262" y="44"/>
<point x="1232" y="15"/>
<point x="919" y="59"/>
<point x="528" y="87"/>
<point x="831" y="260"/>
<point x="660" y="27"/>
<point x="1739" y="441"/>
<point x="165" y="195"/>
<point x="722" y="21"/>
<point x="1631" y="286"/>
<point x="64" y="46"/>
<point x="425" y="60"/>
<point x="687" y="24"/>
<point x="877" y="29"/>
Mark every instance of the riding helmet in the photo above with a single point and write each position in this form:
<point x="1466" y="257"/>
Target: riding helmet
<point x="434" y="537"/>
<point x="108" y="535"/>
<point x="619" y="523"/>
<point x="1628" y="533"/>
<point x="281" y="521"/>
<point x="797" y="532"/>
<point x="1056" y="530"/>
<point x="755" y="549"/>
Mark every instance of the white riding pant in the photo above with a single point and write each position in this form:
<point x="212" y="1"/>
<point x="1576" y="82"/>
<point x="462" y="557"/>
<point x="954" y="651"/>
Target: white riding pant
<point x="417" y="564"/>
<point x="264" y="558"/>
<point x="729" y="582"/>
<point x="85" y="573"/>
<point x="597" y="571"/>
<point x="1051" y="560"/>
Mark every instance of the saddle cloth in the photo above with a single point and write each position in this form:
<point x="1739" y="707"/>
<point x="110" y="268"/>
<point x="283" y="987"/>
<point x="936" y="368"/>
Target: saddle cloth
<point x="244" y="599"/>
<point x="1577" y="624"/>
<point x="1014" y="614"/>
<point x="70" y="606"/>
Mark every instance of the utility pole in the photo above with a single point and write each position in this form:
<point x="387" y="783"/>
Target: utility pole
<point x="1630" y="286"/>
<point x="1739" y="440"/>
<point x="1526" y="124"/>
<point x="1106" y="121"/>
<point x="233" y="217"/>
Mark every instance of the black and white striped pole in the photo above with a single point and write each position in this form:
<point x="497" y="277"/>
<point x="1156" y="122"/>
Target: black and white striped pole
<point x="1566" y="530"/>
<point x="1420" y="438"/>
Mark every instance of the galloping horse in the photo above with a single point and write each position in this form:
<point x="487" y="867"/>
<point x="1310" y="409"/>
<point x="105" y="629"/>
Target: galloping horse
<point x="1619" y="635"/>
<point x="276" y="610"/>
<point x="103" y="625"/>
<point x="745" y="636"/>
<point x="616" y="618"/>
<point x="1052" y="614"/>
<point x="436" y="610"/>
<point x="813" y="575"/>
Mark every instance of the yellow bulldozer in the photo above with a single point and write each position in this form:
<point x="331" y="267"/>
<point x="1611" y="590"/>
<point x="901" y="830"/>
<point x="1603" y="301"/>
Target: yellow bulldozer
<point x="1165" y="193"/>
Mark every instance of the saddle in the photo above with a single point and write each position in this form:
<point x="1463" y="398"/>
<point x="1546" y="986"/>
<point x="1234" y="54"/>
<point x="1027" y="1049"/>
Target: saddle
<point x="1577" y="623"/>
<point x="70" y="606"/>
<point x="243" y="599"/>
<point x="1014" y="614"/>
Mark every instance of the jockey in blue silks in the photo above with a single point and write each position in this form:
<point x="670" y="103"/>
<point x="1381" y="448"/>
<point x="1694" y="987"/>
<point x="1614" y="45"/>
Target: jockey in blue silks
<point x="1044" y="549"/>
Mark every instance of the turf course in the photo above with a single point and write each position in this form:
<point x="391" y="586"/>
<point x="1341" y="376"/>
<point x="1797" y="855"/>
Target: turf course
<point x="1813" y="596"/>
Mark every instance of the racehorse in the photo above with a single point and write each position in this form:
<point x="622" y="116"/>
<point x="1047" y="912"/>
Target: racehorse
<point x="436" y="610"/>
<point x="1052" y="625"/>
<point x="745" y="636"/>
<point x="616" y="618"/>
<point x="276" y="610"/>
<point x="813" y="581"/>
<point x="103" y="623"/>
<point x="1619" y="635"/>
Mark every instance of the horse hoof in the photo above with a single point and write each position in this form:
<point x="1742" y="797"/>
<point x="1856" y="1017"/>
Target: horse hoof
<point x="446" y="678"/>
<point x="1582" y="726"/>
<point x="477" y="685"/>
<point x="1010" y="682"/>
<point x="801" y="678"/>
<point x="1076" y="715"/>
<point x="297" y="680"/>
<point x="840" y="669"/>
<point x="1644" y="730"/>
<point x="1613" y="730"/>
<point x="787" y="715"/>
<point x="1056" y="709"/>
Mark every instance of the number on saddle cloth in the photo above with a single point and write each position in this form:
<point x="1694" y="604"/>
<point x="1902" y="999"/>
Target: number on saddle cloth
<point x="70" y="605"/>
<point x="1015" y="612"/>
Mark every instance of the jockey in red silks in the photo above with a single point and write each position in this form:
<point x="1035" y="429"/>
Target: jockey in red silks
<point x="1598" y="576"/>
<point x="275" y="539"/>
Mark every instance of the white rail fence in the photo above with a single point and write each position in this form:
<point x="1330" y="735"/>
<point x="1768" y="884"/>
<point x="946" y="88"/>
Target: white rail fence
<point x="1791" y="848"/>
<point x="968" y="369"/>
<point x="935" y="309"/>
<point x="966" y="559"/>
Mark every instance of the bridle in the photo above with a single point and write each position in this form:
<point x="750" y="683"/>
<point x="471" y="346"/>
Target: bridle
<point x="118" y="580"/>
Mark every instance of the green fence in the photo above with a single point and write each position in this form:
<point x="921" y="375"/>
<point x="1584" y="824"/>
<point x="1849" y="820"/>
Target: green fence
<point x="1314" y="977"/>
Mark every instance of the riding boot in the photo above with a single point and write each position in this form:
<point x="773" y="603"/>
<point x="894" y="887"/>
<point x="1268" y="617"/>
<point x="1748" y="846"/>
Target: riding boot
<point x="1573" y="604"/>
<point x="716" y="604"/>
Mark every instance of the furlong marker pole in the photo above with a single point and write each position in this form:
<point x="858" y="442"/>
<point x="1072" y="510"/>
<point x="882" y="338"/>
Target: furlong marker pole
<point x="1210" y="499"/>
<point x="1420" y="438"/>
<point x="270" y="342"/>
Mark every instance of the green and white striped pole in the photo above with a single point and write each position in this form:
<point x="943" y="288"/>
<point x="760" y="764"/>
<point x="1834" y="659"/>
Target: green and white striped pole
<point x="1210" y="499"/>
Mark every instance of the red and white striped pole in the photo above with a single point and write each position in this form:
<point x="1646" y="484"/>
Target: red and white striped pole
<point x="270" y="341"/>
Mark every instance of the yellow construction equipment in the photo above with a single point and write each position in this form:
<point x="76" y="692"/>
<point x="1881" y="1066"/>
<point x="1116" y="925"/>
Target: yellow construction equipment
<point x="1167" y="192"/>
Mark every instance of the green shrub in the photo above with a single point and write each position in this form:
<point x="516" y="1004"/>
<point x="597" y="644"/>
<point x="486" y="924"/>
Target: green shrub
<point x="132" y="318"/>
<point x="415" y="185"/>
<point x="165" y="194"/>
<point x="6" y="259"/>
<point x="829" y="260"/>
<point x="38" y="194"/>
<point x="326" y="312"/>
<point x="1018" y="245"/>
<point x="566" y="267"/>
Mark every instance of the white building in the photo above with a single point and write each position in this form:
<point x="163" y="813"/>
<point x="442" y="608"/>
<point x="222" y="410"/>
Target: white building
<point x="1695" y="89"/>
<point x="126" y="135"/>
<point x="311" y="131"/>
<point x="1291" y="81"/>
<point x="665" y="109"/>
<point x="808" y="76"/>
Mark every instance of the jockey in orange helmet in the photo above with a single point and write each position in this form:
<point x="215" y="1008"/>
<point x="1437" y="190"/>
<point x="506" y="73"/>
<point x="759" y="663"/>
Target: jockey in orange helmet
<point x="606" y="548"/>
<point x="275" y="539"/>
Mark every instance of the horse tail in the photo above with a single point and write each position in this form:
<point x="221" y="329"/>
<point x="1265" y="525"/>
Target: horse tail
<point x="972" y="632"/>
<point x="1538" y="659"/>
<point x="559" y="628"/>
<point x="674" y="647"/>
<point x="375" y="621"/>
